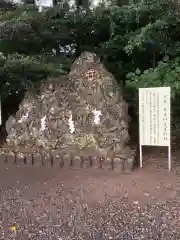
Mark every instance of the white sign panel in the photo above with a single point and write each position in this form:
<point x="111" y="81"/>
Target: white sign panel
<point x="44" y="3"/>
<point x="154" y="116"/>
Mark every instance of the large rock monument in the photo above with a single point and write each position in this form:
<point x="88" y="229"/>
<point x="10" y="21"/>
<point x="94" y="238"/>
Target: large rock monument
<point x="83" y="113"/>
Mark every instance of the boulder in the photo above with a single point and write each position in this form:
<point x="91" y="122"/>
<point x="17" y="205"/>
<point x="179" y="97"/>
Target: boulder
<point x="81" y="113"/>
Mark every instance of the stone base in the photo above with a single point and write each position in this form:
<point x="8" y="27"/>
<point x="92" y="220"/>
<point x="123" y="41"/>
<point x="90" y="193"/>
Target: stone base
<point x="118" y="165"/>
<point x="70" y="161"/>
<point x="128" y="165"/>
<point x="37" y="159"/>
<point x="29" y="159"/>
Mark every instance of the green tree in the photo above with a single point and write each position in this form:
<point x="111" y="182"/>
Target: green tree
<point x="129" y="37"/>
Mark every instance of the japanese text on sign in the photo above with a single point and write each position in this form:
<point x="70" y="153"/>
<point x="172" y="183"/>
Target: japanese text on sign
<point x="154" y="116"/>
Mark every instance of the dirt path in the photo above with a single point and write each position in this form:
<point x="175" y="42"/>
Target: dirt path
<point x="50" y="203"/>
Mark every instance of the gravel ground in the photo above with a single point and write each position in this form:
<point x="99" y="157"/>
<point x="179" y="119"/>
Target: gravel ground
<point x="45" y="203"/>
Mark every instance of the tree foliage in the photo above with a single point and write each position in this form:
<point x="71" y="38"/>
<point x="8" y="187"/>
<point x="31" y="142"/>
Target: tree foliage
<point x="132" y="39"/>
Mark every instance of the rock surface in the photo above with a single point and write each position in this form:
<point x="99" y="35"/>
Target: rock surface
<point x="83" y="112"/>
<point x="9" y="123"/>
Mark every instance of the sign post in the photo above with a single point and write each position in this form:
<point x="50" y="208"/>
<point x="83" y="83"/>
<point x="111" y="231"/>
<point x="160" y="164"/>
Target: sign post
<point x="154" y="119"/>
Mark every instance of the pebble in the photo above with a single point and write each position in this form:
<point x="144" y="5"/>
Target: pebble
<point x="58" y="211"/>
